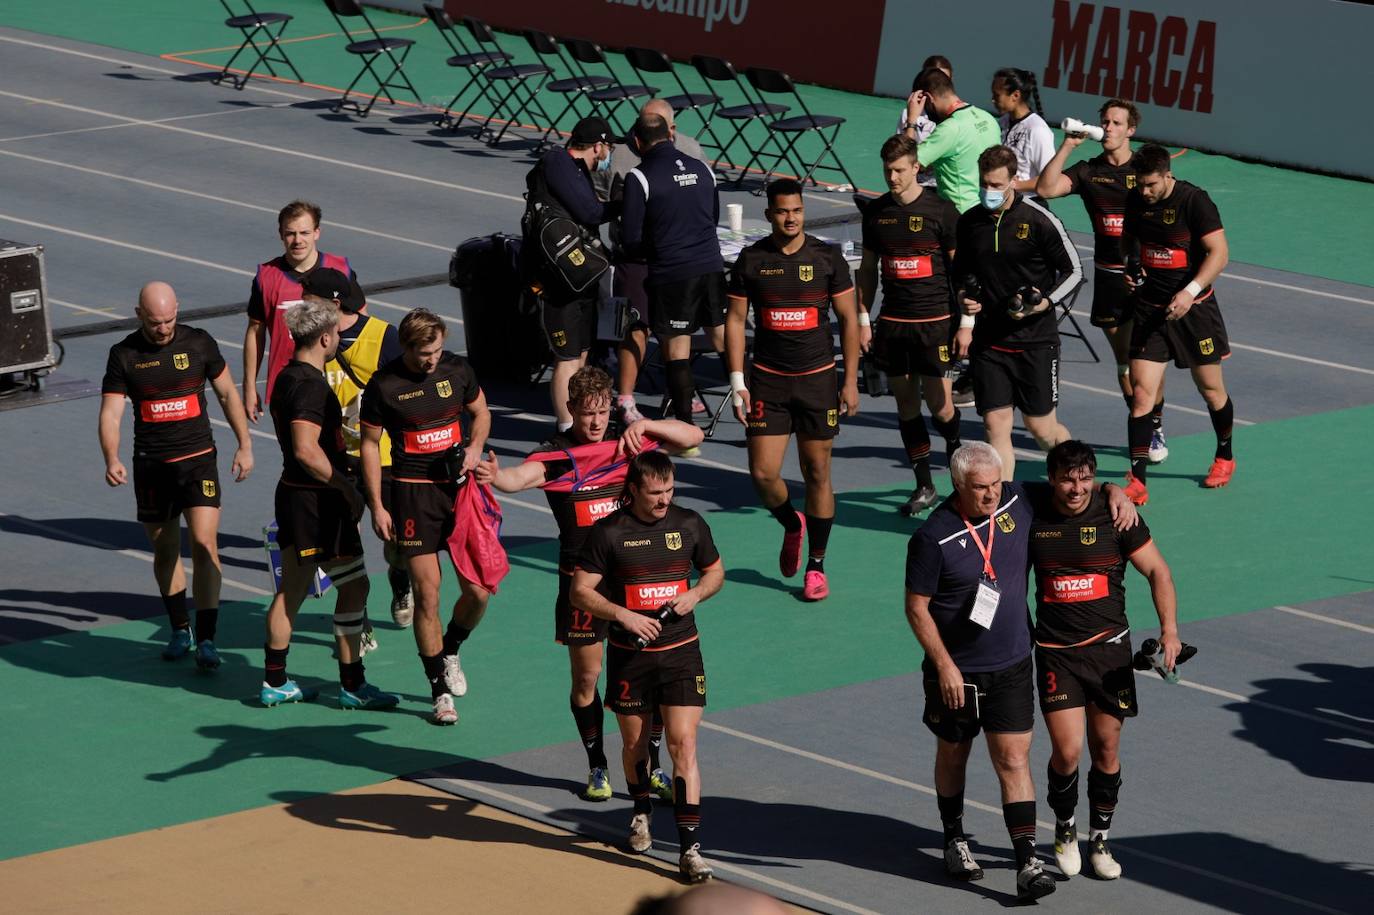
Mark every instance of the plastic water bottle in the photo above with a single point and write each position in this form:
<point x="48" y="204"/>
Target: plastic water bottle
<point x="1151" y="657"/>
<point x="1075" y="126"/>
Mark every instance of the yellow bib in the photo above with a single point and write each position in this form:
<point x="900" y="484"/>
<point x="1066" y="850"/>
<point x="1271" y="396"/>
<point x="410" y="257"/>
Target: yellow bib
<point x="361" y="357"/>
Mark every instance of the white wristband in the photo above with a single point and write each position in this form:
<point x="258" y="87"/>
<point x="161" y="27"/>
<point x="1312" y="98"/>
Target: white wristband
<point x="1193" y="288"/>
<point x="737" y="385"/>
<point x="967" y="321"/>
<point x="864" y="319"/>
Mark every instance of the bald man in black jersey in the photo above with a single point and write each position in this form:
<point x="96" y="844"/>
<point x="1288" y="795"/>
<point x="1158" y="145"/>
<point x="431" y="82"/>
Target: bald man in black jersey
<point x="162" y="368"/>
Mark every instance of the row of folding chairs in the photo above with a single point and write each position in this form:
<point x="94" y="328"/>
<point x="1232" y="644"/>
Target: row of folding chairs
<point x="512" y="91"/>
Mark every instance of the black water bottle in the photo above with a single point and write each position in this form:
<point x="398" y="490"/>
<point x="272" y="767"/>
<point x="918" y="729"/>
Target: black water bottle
<point x="1151" y="657"/>
<point x="665" y="613"/>
<point x="972" y="289"/>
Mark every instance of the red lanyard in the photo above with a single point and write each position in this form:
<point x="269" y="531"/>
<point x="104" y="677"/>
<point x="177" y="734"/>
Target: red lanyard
<point x="985" y="550"/>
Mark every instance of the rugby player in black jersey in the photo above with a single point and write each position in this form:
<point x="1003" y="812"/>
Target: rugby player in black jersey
<point x="793" y="279"/>
<point x="908" y="237"/>
<point x="1103" y="182"/>
<point x="318" y="507"/>
<point x="421" y="400"/>
<point x="633" y="566"/>
<point x="162" y="368"/>
<point x="1174" y="230"/>
<point x="1082" y="641"/>
<point x="582" y="473"/>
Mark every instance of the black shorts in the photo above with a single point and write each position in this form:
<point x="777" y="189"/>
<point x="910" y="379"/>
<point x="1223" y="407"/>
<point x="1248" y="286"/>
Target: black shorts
<point x="316" y="523"/>
<point x="1112" y="304"/>
<point x="914" y="347"/>
<point x="1197" y="338"/>
<point x="572" y="626"/>
<point x="637" y="682"/>
<point x="570" y="326"/>
<point x="629" y="283"/>
<point x="165" y="489"/>
<point x="805" y="404"/>
<point x="1101" y="673"/>
<point x="683" y="307"/>
<point x="1026" y="379"/>
<point x="1006" y="703"/>
<point x="423" y="516"/>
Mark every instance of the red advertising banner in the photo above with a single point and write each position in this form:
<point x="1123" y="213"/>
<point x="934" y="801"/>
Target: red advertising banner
<point x="811" y="40"/>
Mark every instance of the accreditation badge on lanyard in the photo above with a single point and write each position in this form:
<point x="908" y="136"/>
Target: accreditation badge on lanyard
<point x="985" y="601"/>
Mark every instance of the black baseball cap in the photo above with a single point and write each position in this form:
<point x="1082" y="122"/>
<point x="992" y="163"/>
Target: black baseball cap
<point x="591" y="130"/>
<point x="328" y="283"/>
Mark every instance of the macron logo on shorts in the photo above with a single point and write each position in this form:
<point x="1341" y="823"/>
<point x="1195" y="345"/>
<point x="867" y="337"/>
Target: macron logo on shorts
<point x="652" y="595"/>
<point x="1068" y="589"/>
<point x="790" y="319"/>
<point x="907" y="268"/>
<point x="428" y="441"/>
<point x="170" y="410"/>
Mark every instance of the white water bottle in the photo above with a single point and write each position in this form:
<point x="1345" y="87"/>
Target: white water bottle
<point x="1077" y="127"/>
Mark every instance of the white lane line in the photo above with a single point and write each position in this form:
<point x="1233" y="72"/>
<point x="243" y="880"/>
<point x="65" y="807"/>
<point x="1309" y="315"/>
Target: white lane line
<point x="180" y="117"/>
<point x="142" y="66"/>
<point x="1259" y="282"/>
<point x="997" y="811"/>
<point x="251" y="431"/>
<point x="103" y="312"/>
<point x="216" y="199"/>
<point x="1168" y="408"/>
<point x="123" y="551"/>
<point x="1345" y="624"/>
<point x="1280" y="709"/>
<point x="274" y="150"/>
<point x="1308" y="359"/>
<point x="124" y="244"/>
<point x="1077" y="313"/>
<point x="600" y="831"/>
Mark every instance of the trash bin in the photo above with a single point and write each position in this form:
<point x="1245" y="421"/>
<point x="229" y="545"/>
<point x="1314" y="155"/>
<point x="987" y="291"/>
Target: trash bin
<point x="501" y="319"/>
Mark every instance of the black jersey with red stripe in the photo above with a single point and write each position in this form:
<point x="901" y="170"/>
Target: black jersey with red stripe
<point x="644" y="565"/>
<point x="1170" y="233"/>
<point x="910" y="241"/>
<point x="301" y="394"/>
<point x="1080" y="569"/>
<point x="422" y="413"/>
<point x="791" y="294"/>
<point x="578" y="508"/>
<point x="1103" y="187"/>
<point x="167" y="386"/>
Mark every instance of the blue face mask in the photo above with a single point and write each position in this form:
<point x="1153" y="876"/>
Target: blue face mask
<point x="603" y="165"/>
<point x="991" y="199"/>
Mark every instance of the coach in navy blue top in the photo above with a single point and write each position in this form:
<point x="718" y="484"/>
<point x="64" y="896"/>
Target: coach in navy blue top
<point x="966" y="602"/>
<point x="562" y="181"/>
<point x="670" y="215"/>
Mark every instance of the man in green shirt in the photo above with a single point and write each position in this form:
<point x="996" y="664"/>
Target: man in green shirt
<point x="961" y="134"/>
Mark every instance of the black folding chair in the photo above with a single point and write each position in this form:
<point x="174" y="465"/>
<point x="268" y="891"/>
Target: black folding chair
<point x="256" y="27"/>
<point x="577" y="86"/>
<point x="825" y="126"/>
<point x="720" y="70"/>
<point x="369" y="51"/>
<point x="608" y="99"/>
<point x="464" y="58"/>
<point x="522" y="82"/>
<point x="1066" y="311"/>
<point x="702" y="104"/>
